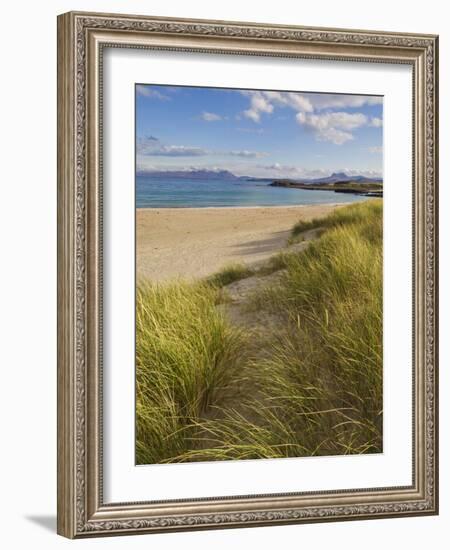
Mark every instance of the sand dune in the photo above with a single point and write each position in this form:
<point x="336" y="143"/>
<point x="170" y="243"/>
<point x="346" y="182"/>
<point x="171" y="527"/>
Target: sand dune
<point x="196" y="242"/>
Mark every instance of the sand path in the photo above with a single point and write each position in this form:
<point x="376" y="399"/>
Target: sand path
<point x="196" y="242"/>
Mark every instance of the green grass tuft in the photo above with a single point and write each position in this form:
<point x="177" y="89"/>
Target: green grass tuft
<point x="229" y="274"/>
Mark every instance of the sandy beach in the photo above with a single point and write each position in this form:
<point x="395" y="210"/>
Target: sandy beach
<point x="196" y="242"/>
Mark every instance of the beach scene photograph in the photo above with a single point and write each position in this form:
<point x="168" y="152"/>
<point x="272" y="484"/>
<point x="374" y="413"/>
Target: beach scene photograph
<point x="259" y="274"/>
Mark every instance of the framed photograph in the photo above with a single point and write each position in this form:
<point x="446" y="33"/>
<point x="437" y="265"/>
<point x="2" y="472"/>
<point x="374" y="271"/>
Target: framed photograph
<point x="247" y="276"/>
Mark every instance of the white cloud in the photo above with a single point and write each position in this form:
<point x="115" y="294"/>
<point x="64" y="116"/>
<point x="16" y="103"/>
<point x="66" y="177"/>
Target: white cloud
<point x="346" y="121"/>
<point x="179" y="151"/>
<point x="210" y="117"/>
<point x="334" y="127"/>
<point x="151" y="146"/>
<point x="376" y="122"/>
<point x="360" y="172"/>
<point x="264" y="102"/>
<point x="294" y="100"/>
<point x="146" y="91"/>
<point x="258" y="105"/>
<point x="278" y="170"/>
<point x="376" y="149"/>
<point x="341" y="101"/>
<point x="338" y="137"/>
<point x="142" y="165"/>
<point x="293" y="171"/>
<point x="248" y="154"/>
<point x="285" y="168"/>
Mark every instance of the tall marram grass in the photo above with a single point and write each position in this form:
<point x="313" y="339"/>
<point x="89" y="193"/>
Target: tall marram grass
<point x="317" y="387"/>
<point x="355" y="213"/>
<point x="186" y="359"/>
<point x="325" y="373"/>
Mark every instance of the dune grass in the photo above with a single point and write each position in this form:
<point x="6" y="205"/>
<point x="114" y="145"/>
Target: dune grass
<point x="186" y="358"/>
<point x="325" y="372"/>
<point x="229" y="274"/>
<point x="352" y="214"/>
<point x="316" y="389"/>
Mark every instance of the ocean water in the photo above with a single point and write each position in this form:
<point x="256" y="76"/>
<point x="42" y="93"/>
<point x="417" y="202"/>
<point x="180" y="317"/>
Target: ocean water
<point x="164" y="192"/>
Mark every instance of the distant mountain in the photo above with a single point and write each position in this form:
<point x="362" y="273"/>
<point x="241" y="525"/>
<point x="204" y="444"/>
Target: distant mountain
<point x="191" y="174"/>
<point x="339" y="176"/>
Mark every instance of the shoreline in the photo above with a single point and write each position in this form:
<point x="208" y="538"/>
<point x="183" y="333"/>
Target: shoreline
<point x="192" y="243"/>
<point x="202" y="208"/>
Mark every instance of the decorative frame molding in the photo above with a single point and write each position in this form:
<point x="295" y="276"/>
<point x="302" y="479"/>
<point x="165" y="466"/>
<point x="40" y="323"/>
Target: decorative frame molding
<point x="81" y="37"/>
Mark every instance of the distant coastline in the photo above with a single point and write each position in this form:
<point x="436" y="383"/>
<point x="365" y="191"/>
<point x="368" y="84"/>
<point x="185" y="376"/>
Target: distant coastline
<point x="366" y="189"/>
<point x="189" y="174"/>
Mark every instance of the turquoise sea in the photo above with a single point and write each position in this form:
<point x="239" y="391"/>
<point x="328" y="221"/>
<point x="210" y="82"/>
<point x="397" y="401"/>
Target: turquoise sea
<point x="153" y="192"/>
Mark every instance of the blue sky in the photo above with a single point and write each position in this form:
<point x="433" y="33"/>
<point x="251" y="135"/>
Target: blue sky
<point x="256" y="132"/>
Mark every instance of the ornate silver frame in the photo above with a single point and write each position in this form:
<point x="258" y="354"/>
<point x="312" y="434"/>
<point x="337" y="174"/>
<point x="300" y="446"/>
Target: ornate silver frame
<point x="81" y="38"/>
